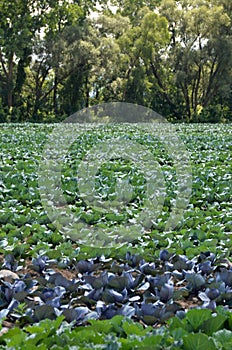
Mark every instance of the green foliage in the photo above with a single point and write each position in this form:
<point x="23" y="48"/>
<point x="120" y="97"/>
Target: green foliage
<point x="121" y="332"/>
<point x="218" y="113"/>
<point x="198" y="342"/>
<point x="206" y="223"/>
<point x="59" y="57"/>
<point x="26" y="231"/>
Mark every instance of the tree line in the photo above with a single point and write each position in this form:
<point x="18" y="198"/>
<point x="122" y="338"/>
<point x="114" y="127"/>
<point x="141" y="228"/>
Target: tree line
<point x="57" y="57"/>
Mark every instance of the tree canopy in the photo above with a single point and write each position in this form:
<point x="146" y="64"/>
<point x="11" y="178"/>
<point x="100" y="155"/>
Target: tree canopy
<point x="57" y="57"/>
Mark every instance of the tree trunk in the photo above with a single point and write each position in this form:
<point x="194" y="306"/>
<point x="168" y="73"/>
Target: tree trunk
<point x="55" y="107"/>
<point x="10" y="81"/>
<point x="86" y="92"/>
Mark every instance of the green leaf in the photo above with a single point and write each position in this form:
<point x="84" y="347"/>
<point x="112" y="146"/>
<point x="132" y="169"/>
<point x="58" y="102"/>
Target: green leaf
<point x="175" y="323"/>
<point x="14" y="337"/>
<point x="230" y="320"/>
<point x="213" y="324"/>
<point x="85" y="336"/>
<point x="223" y="339"/>
<point x="152" y="342"/>
<point x="179" y="333"/>
<point x="117" y="322"/>
<point x="198" y="342"/>
<point x="45" y="325"/>
<point x="100" y="326"/>
<point x="133" y="328"/>
<point x="196" y="317"/>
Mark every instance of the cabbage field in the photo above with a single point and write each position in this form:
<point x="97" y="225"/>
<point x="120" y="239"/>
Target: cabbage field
<point x="160" y="290"/>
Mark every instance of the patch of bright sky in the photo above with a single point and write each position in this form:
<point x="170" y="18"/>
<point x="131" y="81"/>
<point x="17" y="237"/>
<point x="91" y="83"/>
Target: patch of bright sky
<point x="95" y="14"/>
